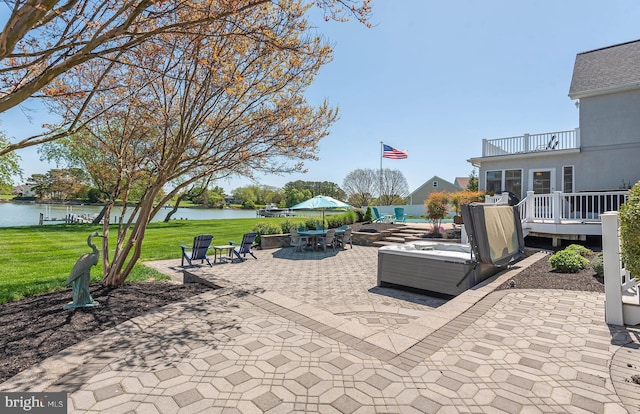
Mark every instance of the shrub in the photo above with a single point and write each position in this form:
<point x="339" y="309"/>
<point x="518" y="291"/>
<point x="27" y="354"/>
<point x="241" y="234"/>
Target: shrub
<point x="351" y="217"/>
<point x="567" y="261"/>
<point x="312" y="223"/>
<point x="358" y="214"/>
<point x="266" y="228"/>
<point x="597" y="264"/>
<point x="334" y="221"/>
<point x="630" y="231"/>
<point x="579" y="249"/>
<point x="465" y="197"/>
<point x="287" y="225"/>
<point x="368" y="215"/>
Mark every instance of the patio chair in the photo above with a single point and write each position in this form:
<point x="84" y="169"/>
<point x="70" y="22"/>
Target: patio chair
<point x="244" y="247"/>
<point x="201" y="244"/>
<point x="344" y="238"/>
<point x="399" y="215"/>
<point x="298" y="241"/>
<point x="378" y="218"/>
<point x="328" y="239"/>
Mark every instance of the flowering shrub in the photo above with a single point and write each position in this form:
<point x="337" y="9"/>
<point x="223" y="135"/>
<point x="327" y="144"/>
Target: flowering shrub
<point x="567" y="261"/>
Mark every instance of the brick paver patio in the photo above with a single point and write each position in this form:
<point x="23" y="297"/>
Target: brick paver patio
<point x="310" y="332"/>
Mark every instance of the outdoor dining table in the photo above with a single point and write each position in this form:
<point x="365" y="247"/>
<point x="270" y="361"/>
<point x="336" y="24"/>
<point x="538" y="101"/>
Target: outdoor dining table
<point x="313" y="234"/>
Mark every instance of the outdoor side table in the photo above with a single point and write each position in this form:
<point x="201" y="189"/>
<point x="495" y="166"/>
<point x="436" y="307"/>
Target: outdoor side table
<point x="218" y="253"/>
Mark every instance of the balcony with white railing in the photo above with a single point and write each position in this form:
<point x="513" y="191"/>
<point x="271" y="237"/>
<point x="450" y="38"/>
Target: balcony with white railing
<point x="532" y="143"/>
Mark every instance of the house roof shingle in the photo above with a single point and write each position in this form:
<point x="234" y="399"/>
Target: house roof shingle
<point x="461" y="182"/>
<point x="609" y="69"/>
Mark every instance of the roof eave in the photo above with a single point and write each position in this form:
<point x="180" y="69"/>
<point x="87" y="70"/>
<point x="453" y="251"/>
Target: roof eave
<point x="605" y="91"/>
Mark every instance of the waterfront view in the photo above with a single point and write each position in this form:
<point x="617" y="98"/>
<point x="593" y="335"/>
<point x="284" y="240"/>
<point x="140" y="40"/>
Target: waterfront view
<point x="24" y="214"/>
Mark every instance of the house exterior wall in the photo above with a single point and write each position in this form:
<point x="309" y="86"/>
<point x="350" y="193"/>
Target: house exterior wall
<point x="418" y="196"/>
<point x="609" y="154"/>
<point x="610" y="139"/>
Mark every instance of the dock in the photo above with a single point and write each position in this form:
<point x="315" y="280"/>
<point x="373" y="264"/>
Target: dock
<point x="274" y="212"/>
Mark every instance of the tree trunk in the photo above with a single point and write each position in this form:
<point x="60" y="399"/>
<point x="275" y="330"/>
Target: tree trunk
<point x="100" y="216"/>
<point x="175" y="207"/>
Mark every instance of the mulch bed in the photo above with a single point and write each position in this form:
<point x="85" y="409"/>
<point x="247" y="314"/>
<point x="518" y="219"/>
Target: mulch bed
<point x="36" y="328"/>
<point x="540" y="276"/>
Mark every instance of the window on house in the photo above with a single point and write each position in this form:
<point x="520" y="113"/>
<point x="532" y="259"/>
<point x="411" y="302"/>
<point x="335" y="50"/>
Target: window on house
<point x="494" y="182"/>
<point x="513" y="181"/>
<point x="567" y="179"/>
<point x="435" y="184"/>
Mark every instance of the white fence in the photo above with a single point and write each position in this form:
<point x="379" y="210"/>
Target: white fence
<point x="622" y="299"/>
<point x="415" y="210"/>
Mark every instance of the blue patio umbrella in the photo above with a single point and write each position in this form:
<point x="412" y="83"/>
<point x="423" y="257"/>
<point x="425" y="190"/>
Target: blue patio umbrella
<point x="320" y="202"/>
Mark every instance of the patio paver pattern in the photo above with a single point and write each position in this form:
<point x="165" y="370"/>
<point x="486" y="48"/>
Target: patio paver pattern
<point x="310" y="332"/>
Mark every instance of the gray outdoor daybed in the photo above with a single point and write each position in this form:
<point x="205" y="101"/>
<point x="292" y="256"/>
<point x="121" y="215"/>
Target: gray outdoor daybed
<point x="495" y="240"/>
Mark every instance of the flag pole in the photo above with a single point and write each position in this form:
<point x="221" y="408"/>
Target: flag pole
<point x="381" y="157"/>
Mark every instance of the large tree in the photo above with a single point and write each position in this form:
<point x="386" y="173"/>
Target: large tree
<point x="43" y="40"/>
<point x="312" y="188"/>
<point x="394" y="187"/>
<point x="228" y="100"/>
<point x="360" y="186"/>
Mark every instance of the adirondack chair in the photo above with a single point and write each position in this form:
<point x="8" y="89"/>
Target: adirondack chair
<point x="399" y="215"/>
<point x="201" y="244"/>
<point x="378" y="218"/>
<point x="244" y="247"/>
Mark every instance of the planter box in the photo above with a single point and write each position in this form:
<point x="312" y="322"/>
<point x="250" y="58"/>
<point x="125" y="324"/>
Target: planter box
<point x="274" y="241"/>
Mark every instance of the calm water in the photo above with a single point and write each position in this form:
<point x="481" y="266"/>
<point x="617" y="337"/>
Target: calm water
<point x="18" y="214"/>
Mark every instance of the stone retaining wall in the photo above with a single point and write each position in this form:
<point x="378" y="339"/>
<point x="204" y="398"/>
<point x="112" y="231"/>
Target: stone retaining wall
<point x="367" y="239"/>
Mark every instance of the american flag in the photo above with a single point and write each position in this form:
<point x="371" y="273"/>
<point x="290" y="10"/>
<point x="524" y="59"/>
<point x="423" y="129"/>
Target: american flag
<point x="394" y="154"/>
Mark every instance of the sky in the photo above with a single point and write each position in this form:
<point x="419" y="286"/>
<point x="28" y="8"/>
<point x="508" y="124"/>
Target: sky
<point x="433" y="78"/>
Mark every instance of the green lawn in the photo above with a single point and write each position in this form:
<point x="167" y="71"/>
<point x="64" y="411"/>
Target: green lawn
<point x="37" y="259"/>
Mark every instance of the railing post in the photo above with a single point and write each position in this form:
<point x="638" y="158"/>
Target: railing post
<point x="556" y="206"/>
<point x="529" y="205"/>
<point x="577" y="143"/>
<point x="484" y="147"/>
<point x="526" y="142"/>
<point x="613" y="314"/>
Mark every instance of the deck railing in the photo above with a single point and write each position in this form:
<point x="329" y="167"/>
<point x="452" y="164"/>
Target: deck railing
<point x="558" y="207"/>
<point x="532" y="143"/>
